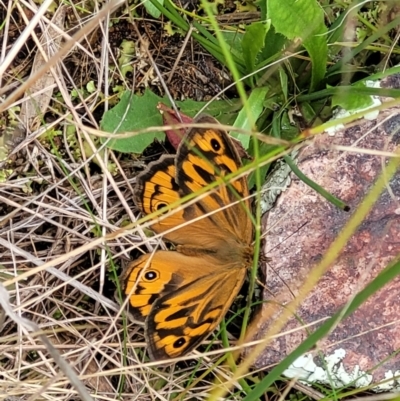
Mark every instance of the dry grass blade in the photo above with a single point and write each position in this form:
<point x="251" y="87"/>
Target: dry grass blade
<point x="29" y="326"/>
<point x="39" y="95"/>
<point x="106" y="302"/>
<point x="62" y="52"/>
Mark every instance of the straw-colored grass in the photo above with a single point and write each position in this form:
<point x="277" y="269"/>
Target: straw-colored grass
<point x="64" y="200"/>
<point x="63" y="336"/>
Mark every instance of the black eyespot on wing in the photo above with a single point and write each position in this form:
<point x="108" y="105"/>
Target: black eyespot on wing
<point x="151" y="275"/>
<point x="215" y="144"/>
<point x="160" y="205"/>
<point x="179" y="343"/>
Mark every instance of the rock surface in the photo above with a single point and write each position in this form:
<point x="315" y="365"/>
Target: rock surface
<point x="300" y="229"/>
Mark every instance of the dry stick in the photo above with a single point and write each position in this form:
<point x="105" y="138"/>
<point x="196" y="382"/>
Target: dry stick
<point x="127" y="134"/>
<point x="23" y="208"/>
<point x="107" y="177"/>
<point x="373" y="152"/>
<point x="64" y="35"/>
<point x="103" y="255"/>
<point x="77" y="251"/>
<point x="52" y="61"/>
<point x="34" y="108"/>
<point x="188" y="35"/>
<point x="55" y="355"/>
<point x="6" y="29"/>
<point x="103" y="165"/>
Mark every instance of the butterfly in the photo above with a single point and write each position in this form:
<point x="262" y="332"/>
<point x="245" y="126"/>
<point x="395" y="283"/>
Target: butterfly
<point x="181" y="295"/>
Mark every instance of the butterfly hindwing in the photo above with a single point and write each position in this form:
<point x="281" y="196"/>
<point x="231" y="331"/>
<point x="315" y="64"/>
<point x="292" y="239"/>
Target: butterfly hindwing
<point x="179" y="298"/>
<point x="180" y="320"/>
<point x="146" y="279"/>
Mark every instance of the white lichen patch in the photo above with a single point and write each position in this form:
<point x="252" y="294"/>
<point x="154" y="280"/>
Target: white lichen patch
<point x="332" y="373"/>
<point x="390" y="382"/>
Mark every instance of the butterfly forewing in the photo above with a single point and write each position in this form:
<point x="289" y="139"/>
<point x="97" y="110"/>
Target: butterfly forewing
<point x="208" y="155"/>
<point x="157" y="188"/>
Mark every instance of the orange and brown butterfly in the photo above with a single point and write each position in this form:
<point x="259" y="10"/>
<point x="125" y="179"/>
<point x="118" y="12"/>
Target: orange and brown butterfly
<point x="182" y="295"/>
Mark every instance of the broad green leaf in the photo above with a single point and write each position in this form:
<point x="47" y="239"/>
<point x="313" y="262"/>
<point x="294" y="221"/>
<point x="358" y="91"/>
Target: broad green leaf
<point x="253" y="42"/>
<point x="318" y="51"/>
<point x="304" y="20"/>
<point x="215" y="109"/>
<point x="288" y="131"/>
<point x="262" y="4"/>
<point x="126" y="56"/>
<point x="284" y="83"/>
<point x="351" y="100"/>
<point x="234" y="41"/>
<point x="274" y="43"/>
<point x="135" y="112"/>
<point x="244" y="120"/>
<point x="130" y="114"/>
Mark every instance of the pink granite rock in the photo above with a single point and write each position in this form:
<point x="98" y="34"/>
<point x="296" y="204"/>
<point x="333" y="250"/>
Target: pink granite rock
<point x="299" y="230"/>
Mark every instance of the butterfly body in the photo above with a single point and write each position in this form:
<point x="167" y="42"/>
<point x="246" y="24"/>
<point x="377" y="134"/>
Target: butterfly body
<point x="182" y="295"/>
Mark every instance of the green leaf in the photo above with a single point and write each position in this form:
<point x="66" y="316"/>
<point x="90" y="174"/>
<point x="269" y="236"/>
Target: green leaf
<point x="351" y="100"/>
<point x="133" y="113"/>
<point x="263" y="9"/>
<point x="303" y="19"/>
<point x="91" y="87"/>
<point x="284" y="83"/>
<point x="151" y="8"/>
<point x="244" y="120"/>
<point x="253" y="42"/>
<point x="215" y="109"/>
<point x="234" y="41"/>
<point x="318" y="51"/>
<point x="126" y="55"/>
<point x="274" y="43"/>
